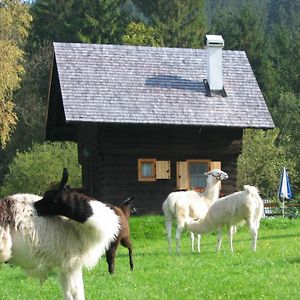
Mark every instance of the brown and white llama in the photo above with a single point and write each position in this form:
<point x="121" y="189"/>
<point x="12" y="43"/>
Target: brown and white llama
<point x="63" y="231"/>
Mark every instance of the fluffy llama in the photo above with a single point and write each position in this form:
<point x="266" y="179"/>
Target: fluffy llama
<point x="78" y="232"/>
<point x="230" y="210"/>
<point x="124" y="212"/>
<point x="191" y="203"/>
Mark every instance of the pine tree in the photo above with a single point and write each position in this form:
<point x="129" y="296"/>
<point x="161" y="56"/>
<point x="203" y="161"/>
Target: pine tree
<point x="89" y="21"/>
<point x="244" y="29"/>
<point x="180" y="23"/>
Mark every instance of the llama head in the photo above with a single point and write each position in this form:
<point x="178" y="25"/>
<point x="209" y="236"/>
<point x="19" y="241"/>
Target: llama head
<point x="64" y="202"/>
<point x="219" y="175"/>
<point x="128" y="203"/>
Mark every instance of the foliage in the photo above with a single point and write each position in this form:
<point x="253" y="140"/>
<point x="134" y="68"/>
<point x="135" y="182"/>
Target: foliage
<point x="244" y="29"/>
<point x="140" y="35"/>
<point x="285" y="56"/>
<point x="88" y="21"/>
<point x="262" y="161"/>
<point x="14" y="25"/>
<point x="30" y="105"/>
<point x="270" y="273"/>
<point x="180" y="23"/>
<point x="287" y="119"/>
<point x="268" y="30"/>
<point x="40" y="168"/>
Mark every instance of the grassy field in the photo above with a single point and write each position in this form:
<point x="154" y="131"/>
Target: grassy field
<point x="273" y="272"/>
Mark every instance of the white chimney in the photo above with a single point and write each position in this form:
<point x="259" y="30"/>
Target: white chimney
<point x="214" y="45"/>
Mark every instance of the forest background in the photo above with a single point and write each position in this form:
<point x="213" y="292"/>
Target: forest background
<point x="267" y="30"/>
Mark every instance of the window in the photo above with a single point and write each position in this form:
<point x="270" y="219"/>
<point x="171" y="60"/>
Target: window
<point x="196" y="170"/>
<point x="150" y="169"/>
<point x="190" y="173"/>
<point x="146" y="169"/>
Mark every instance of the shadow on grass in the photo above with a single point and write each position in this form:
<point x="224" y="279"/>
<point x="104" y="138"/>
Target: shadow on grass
<point x="294" y="260"/>
<point x="278" y="236"/>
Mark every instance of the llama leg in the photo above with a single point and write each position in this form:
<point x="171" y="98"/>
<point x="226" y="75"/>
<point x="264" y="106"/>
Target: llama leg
<point x="72" y="285"/>
<point x="127" y="243"/>
<point x="5" y="244"/>
<point x="254" y="232"/>
<point x="219" y="238"/>
<point x="65" y="282"/>
<point x="199" y="242"/>
<point x="110" y="257"/>
<point x="192" y="241"/>
<point x="168" y="224"/>
<point x="231" y="231"/>
<point x="79" y="287"/>
<point x="177" y="236"/>
<point x="252" y="225"/>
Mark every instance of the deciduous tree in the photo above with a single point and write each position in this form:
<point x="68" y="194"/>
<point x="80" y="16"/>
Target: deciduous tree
<point x="14" y="25"/>
<point x="262" y="160"/>
<point x="36" y="170"/>
<point x="140" y="35"/>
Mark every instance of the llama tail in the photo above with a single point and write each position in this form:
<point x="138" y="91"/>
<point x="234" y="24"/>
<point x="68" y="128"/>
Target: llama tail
<point x="251" y="190"/>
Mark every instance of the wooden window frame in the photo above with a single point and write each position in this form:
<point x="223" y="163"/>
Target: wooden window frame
<point x="140" y="173"/>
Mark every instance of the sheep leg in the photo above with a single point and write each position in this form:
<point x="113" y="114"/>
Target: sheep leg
<point x="110" y="257"/>
<point x="168" y="224"/>
<point x="219" y="238"/>
<point x="127" y="244"/>
<point x="72" y="285"/>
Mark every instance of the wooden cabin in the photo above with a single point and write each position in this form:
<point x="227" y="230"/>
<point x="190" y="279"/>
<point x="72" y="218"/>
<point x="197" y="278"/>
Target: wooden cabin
<point x="149" y="121"/>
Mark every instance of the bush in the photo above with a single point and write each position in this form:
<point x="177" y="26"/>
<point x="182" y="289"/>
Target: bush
<point x="38" y="169"/>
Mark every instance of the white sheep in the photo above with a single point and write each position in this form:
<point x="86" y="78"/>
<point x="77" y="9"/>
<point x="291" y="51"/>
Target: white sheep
<point x="76" y="233"/>
<point x="182" y="203"/>
<point x="230" y="210"/>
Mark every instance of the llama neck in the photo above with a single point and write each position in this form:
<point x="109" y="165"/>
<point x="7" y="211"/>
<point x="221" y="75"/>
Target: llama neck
<point x="126" y="211"/>
<point x="202" y="226"/>
<point x="212" y="190"/>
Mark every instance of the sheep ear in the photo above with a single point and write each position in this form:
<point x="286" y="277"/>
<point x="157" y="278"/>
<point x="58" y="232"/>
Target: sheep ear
<point x="207" y="173"/>
<point x="64" y="179"/>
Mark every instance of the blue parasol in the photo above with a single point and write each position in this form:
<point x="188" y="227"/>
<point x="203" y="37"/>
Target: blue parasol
<point x="285" y="190"/>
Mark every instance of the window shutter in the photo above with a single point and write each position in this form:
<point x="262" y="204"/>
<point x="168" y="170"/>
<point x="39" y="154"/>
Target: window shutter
<point x="215" y="165"/>
<point x="163" y="170"/>
<point x="182" y="175"/>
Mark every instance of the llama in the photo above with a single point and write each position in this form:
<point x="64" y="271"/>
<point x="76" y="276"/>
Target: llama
<point x="191" y="203"/>
<point x="230" y="210"/>
<point x="123" y="237"/>
<point x="64" y="231"/>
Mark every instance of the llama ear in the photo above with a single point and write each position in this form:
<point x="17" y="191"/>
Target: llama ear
<point x="128" y="200"/>
<point x="64" y="179"/>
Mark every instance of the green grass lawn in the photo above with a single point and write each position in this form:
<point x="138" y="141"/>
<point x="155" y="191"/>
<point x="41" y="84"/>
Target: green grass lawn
<point x="272" y="272"/>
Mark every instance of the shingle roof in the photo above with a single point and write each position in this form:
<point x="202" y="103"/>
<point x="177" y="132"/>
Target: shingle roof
<point x="146" y="85"/>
